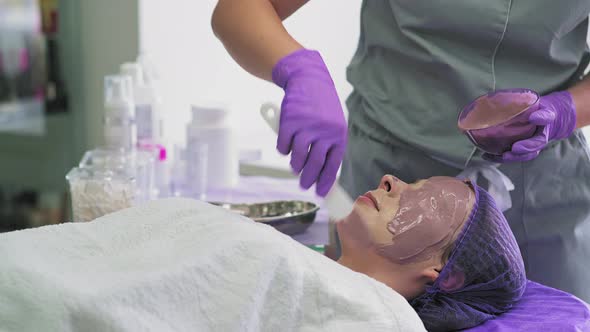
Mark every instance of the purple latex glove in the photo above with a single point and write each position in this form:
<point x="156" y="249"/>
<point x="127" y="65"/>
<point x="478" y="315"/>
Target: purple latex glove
<point x="555" y="118"/>
<point x="312" y="126"/>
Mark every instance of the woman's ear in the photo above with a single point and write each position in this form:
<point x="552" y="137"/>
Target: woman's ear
<point x="452" y="281"/>
<point x="429" y="275"/>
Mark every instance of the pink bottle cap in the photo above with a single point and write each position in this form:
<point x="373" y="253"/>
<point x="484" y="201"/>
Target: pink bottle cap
<point x="150" y="146"/>
<point x="163" y="154"/>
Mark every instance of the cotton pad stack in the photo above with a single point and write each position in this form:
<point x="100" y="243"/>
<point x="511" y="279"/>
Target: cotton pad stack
<point x="107" y="181"/>
<point x="98" y="192"/>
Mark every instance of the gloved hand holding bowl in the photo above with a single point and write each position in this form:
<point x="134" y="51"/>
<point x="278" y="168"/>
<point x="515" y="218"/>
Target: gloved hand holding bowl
<point x="516" y="124"/>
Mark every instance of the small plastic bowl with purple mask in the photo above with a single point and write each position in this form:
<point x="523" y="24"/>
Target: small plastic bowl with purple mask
<point x="496" y="120"/>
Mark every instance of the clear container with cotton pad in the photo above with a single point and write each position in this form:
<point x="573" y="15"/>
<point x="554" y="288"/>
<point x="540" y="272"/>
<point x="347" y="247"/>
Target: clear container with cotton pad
<point x="97" y="191"/>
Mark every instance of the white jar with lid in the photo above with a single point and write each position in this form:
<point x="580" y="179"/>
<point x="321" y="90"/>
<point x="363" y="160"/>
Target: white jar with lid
<point x="211" y="127"/>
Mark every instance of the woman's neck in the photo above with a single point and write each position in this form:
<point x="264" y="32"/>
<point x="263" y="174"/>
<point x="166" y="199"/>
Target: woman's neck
<point x="368" y="263"/>
<point x="376" y="267"/>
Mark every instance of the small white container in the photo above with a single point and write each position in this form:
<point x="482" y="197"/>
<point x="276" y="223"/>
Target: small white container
<point x="211" y="127"/>
<point x="198" y="171"/>
<point x="160" y="185"/>
<point x="178" y="172"/>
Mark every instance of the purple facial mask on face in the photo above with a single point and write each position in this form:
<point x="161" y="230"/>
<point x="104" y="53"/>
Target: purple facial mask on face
<point x="427" y="220"/>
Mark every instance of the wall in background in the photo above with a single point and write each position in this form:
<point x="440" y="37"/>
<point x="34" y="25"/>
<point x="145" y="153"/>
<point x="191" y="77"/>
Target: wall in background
<point x="41" y="162"/>
<point x="108" y="36"/>
<point x="95" y="37"/>
<point x="195" y="68"/>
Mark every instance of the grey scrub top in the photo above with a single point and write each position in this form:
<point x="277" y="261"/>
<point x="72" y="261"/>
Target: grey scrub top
<point x="419" y="62"/>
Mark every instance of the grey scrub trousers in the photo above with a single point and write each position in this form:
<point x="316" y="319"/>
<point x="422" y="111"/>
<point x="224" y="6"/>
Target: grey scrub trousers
<point x="418" y="62"/>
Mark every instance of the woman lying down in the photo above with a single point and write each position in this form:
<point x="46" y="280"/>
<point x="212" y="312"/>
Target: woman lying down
<point x="440" y="245"/>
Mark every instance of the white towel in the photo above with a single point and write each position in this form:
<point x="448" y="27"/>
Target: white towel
<point x="183" y="265"/>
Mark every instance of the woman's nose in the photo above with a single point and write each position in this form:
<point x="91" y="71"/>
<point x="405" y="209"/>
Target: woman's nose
<point x="390" y="183"/>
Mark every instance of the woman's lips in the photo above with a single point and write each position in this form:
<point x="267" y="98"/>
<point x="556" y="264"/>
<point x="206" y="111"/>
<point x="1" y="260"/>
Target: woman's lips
<point x="370" y="199"/>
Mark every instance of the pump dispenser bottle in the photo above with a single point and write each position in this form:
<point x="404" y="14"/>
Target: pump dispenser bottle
<point x="119" y="122"/>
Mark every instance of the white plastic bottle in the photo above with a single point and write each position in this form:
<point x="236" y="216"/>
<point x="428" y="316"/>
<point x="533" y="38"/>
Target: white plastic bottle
<point x="149" y="124"/>
<point x="211" y="127"/>
<point x="148" y="104"/>
<point x="119" y="119"/>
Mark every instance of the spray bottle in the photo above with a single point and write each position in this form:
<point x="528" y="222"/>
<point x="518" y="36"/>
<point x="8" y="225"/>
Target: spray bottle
<point x="147" y="104"/>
